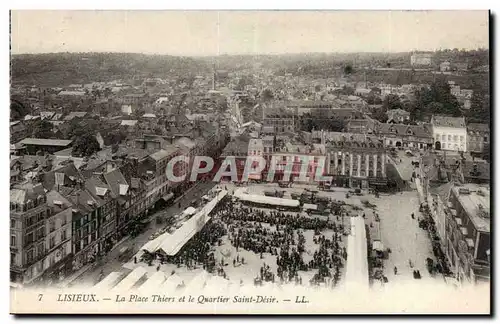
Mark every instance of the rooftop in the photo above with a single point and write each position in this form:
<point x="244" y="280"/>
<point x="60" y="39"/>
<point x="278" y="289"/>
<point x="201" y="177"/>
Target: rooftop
<point x="446" y="121"/>
<point x="45" y="142"/>
<point x="477" y="127"/>
<point x="474" y="202"/>
<point x="163" y="153"/>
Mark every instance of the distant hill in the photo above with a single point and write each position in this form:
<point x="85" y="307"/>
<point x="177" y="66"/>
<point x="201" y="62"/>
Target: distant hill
<point x="66" y="68"/>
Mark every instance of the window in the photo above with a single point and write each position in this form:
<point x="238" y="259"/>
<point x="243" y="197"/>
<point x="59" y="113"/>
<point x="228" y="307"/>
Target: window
<point x="63" y="235"/>
<point x="52" y="241"/>
<point x="461" y="138"/>
<point x="455" y="138"/>
<point x="13" y="258"/>
<point x="30" y="256"/>
<point x="443" y="137"/>
<point x="52" y="226"/>
<point x="12" y="240"/>
<point x="449" y="138"/>
<point x="485" y="139"/>
<point x="29" y="238"/>
<point x="12" y="223"/>
<point x="63" y="221"/>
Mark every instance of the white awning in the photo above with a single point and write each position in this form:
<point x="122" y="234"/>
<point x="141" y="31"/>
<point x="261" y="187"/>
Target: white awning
<point x="110" y="281"/>
<point x="171" y="244"/>
<point x="131" y="279"/>
<point x="153" y="245"/>
<point x="155" y="281"/>
<point x="189" y="211"/>
<point x="378" y="246"/>
<point x="310" y="207"/>
<point x="265" y="200"/>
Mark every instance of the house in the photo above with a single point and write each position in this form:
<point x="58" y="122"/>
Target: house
<point x="44" y="145"/>
<point x="407" y="136"/>
<point x="476" y="172"/>
<point x="28" y="214"/>
<point x="126" y="110"/>
<point x="449" y="133"/>
<point x="75" y="114"/>
<point x="478" y="137"/>
<point x="421" y="59"/>
<point x="445" y="66"/>
<point x="397" y="116"/>
<point x="468" y="242"/>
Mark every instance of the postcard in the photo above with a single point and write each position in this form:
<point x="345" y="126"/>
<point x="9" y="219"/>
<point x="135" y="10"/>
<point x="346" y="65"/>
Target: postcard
<point x="250" y="162"/>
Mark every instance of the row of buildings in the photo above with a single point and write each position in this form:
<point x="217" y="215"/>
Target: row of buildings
<point x="67" y="211"/>
<point x="457" y="193"/>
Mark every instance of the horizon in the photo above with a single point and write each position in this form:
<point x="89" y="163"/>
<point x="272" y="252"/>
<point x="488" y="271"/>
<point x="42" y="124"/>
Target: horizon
<point x="251" y="54"/>
<point x="246" y="33"/>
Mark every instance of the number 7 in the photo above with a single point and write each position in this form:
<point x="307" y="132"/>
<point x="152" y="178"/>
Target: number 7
<point x="40" y="297"/>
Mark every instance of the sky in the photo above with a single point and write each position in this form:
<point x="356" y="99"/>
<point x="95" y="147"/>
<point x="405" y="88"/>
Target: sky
<point x="202" y="33"/>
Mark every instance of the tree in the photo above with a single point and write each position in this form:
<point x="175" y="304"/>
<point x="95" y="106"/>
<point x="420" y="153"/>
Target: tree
<point x="348" y="69"/>
<point x="267" y="95"/>
<point x="480" y="108"/>
<point x="380" y="114"/>
<point x="42" y="129"/>
<point x="107" y="92"/>
<point x="17" y="109"/>
<point x="392" y="102"/>
<point x="85" y="146"/>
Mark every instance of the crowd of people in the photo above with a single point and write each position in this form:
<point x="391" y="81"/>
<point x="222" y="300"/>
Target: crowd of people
<point x="265" y="231"/>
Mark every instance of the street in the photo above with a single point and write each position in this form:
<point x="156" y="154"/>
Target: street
<point x="407" y="241"/>
<point x="111" y="263"/>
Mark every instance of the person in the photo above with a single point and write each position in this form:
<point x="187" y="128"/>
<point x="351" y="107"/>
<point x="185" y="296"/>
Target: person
<point x="395" y="270"/>
<point x="409" y="262"/>
<point x="413" y="215"/>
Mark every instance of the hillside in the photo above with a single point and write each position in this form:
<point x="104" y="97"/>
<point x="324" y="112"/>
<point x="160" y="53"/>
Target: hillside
<point x="57" y="69"/>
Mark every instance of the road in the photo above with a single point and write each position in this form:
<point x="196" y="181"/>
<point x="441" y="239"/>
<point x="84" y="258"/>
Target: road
<point x="401" y="233"/>
<point x="111" y="263"/>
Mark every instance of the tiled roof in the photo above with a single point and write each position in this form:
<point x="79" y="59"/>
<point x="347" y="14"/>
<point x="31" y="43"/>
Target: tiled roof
<point x="477" y="127"/>
<point x="446" y="121"/>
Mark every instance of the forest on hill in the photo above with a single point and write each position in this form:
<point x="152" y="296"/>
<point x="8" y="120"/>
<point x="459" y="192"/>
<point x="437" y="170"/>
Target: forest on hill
<point x="55" y="69"/>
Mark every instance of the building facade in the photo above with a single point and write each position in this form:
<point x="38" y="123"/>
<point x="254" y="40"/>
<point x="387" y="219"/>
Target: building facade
<point x="421" y="59"/>
<point x="478" y="137"/>
<point x="468" y="233"/>
<point x="449" y="133"/>
<point x="28" y="214"/>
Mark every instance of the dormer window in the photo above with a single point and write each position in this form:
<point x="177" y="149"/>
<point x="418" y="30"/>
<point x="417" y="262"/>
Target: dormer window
<point x="409" y="132"/>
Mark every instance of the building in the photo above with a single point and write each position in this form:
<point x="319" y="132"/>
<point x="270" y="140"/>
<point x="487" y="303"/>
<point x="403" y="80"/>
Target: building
<point x="478" y="137"/>
<point x="449" y="133"/>
<point x="468" y="240"/>
<point x="85" y="223"/>
<point x="44" y="145"/>
<point x="28" y="215"/>
<point x="300" y="107"/>
<point x="421" y="59"/>
<point x="406" y="136"/>
<point x="476" y="172"/>
<point x="75" y="114"/>
<point x="356" y="160"/>
<point x="445" y="66"/>
<point x="281" y="121"/>
<point x="295" y="154"/>
<point x="237" y="148"/>
<point x="58" y="263"/>
<point x="397" y="116"/>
